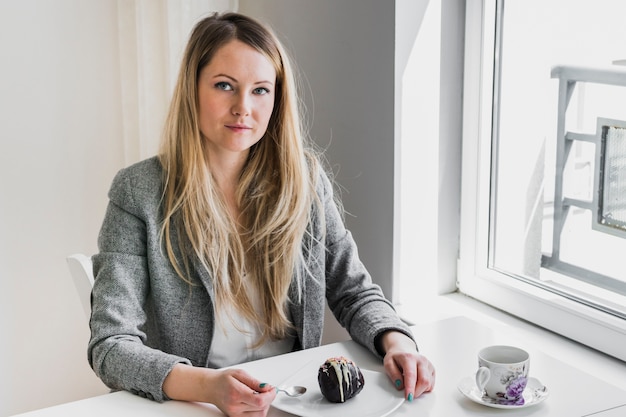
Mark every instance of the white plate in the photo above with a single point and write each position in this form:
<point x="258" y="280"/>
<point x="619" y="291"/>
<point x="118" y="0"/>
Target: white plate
<point x="534" y="393"/>
<point x="377" y="399"/>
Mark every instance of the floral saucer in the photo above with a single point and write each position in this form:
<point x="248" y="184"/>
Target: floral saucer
<point x="534" y="393"/>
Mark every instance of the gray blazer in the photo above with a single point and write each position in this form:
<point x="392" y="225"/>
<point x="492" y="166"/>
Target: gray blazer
<point x="145" y="319"/>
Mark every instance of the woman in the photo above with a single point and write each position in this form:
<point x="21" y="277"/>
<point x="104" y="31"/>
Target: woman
<point x="224" y="248"/>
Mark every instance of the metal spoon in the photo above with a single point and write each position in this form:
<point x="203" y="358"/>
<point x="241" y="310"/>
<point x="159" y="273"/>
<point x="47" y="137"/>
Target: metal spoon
<point x="293" y="391"/>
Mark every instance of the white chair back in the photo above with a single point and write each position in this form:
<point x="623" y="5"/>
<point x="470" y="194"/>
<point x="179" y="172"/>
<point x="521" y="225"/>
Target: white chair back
<point x="82" y="273"/>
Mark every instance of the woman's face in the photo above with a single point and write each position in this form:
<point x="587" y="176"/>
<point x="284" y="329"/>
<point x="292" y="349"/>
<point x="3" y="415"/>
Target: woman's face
<point x="236" y="99"/>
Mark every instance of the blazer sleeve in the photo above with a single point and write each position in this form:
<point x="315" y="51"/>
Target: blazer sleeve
<point x="358" y="304"/>
<point x="118" y="350"/>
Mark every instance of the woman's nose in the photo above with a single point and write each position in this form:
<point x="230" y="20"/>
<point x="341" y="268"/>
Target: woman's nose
<point x="241" y="106"/>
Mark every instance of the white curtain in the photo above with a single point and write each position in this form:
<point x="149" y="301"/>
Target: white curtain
<point x="152" y="36"/>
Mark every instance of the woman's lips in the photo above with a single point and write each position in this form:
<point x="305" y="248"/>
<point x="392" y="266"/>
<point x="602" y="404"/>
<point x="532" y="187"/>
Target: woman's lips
<point x="238" y="127"/>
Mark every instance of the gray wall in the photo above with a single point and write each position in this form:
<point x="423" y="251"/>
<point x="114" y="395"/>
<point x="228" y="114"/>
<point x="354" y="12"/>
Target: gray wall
<point x="345" y="50"/>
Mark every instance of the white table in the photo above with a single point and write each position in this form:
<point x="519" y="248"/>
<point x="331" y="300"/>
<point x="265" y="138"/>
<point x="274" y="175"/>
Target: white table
<point x="450" y="344"/>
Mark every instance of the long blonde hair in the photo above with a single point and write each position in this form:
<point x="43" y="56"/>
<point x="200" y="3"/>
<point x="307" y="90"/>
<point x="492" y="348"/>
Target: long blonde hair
<point x="276" y="190"/>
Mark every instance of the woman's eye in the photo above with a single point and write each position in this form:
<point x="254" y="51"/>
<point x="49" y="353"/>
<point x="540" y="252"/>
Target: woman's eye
<point x="260" y="91"/>
<point x="223" y="85"/>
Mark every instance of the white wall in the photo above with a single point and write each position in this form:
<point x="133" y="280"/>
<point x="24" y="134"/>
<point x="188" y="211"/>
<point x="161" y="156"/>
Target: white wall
<point x="60" y="143"/>
<point x="429" y="74"/>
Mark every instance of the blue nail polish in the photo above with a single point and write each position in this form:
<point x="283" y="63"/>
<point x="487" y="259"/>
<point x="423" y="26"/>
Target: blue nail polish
<point x="410" y="397"/>
<point x="262" y="384"/>
<point x="398" y="383"/>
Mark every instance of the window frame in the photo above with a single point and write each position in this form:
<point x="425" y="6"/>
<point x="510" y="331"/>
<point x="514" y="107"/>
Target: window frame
<point x="476" y="278"/>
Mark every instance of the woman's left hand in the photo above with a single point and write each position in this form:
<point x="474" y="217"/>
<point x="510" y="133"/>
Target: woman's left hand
<point x="405" y="366"/>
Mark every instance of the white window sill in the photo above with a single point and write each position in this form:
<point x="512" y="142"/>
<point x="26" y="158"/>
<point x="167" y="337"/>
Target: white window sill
<point x="427" y="310"/>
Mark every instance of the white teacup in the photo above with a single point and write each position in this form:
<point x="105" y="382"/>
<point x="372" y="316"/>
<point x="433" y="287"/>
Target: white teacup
<point x="503" y="372"/>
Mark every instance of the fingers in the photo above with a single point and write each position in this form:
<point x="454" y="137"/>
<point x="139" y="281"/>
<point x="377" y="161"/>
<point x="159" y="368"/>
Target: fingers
<point x="402" y="371"/>
<point x="425" y="376"/>
<point x="410" y="372"/>
<point x="251" y="382"/>
<point x="410" y="381"/>
<point x="258" y="401"/>
<point x="246" y="395"/>
<point x="394" y="372"/>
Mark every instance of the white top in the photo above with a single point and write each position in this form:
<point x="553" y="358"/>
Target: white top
<point x="234" y="336"/>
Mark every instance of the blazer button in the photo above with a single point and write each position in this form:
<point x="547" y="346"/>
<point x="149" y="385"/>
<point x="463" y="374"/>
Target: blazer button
<point x="150" y="396"/>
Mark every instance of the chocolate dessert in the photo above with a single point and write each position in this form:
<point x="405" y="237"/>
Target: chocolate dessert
<point x="340" y="379"/>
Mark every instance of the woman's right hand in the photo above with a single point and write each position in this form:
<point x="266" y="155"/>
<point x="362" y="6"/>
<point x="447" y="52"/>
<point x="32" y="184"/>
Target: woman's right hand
<point x="233" y="391"/>
<point x="238" y="394"/>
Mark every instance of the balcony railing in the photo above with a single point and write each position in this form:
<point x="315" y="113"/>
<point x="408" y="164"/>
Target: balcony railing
<point x="608" y="203"/>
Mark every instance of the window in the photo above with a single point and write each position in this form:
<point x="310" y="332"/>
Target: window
<point x="544" y="166"/>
